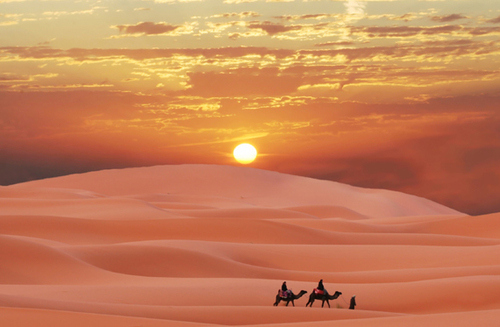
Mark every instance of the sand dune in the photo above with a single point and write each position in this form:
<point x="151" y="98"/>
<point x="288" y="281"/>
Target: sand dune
<point x="246" y="185"/>
<point x="201" y="245"/>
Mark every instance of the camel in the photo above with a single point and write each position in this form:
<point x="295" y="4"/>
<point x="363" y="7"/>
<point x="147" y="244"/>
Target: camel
<point x="291" y="298"/>
<point x="323" y="297"/>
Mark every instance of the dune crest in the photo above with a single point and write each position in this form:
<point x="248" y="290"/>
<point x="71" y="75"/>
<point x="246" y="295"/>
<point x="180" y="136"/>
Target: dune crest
<point x="245" y="186"/>
<point x="205" y="246"/>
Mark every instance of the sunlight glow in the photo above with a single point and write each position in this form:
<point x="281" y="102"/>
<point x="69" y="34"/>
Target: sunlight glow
<point x="245" y="153"/>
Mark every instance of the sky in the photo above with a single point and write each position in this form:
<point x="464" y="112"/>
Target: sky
<point x="401" y="95"/>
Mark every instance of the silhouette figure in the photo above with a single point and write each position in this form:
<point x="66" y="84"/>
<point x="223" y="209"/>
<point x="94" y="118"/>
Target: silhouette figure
<point x="290" y="297"/>
<point x="325" y="297"/>
<point x="353" y="302"/>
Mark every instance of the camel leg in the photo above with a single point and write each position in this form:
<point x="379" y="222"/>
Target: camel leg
<point x="278" y="299"/>
<point x="328" y="302"/>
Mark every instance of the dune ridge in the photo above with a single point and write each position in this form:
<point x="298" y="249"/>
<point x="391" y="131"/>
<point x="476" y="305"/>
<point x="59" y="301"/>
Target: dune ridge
<point x="246" y="185"/>
<point x="204" y="245"/>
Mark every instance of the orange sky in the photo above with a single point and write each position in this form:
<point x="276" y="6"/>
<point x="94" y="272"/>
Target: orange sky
<point x="402" y="95"/>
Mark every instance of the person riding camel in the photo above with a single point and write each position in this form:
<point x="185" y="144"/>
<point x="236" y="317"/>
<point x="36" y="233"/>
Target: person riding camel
<point x="321" y="288"/>
<point x="284" y="290"/>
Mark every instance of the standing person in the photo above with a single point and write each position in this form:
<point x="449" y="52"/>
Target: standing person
<point x="353" y="302"/>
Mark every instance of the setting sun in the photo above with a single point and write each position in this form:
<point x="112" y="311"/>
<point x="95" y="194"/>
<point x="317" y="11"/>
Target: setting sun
<point x="245" y="153"/>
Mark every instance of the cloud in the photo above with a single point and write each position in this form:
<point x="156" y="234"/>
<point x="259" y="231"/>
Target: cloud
<point x="66" y="13"/>
<point x="222" y="72"/>
<point x="273" y="28"/>
<point x="404" y="31"/>
<point x="175" y="1"/>
<point x="7" y="77"/>
<point x="238" y="1"/>
<point x="324" y="89"/>
<point x="405" y="17"/>
<point x="43" y="52"/>
<point x="147" y="28"/>
<point x="484" y="30"/>
<point x="448" y="18"/>
<point x="494" y="20"/>
<point x="244" y="14"/>
<point x="8" y="23"/>
<point x="355" y="8"/>
<point x="307" y="16"/>
<point x="335" y="43"/>
<point x="413" y="31"/>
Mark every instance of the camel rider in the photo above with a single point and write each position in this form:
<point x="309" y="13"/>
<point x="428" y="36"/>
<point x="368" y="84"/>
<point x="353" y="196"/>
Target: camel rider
<point x="284" y="290"/>
<point x="321" y="287"/>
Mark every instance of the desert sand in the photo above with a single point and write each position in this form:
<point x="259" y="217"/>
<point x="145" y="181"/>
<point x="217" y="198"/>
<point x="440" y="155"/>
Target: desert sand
<point x="207" y="245"/>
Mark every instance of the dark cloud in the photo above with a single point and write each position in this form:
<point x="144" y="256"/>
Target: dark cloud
<point x="484" y="30"/>
<point x="405" y="17"/>
<point x="401" y="51"/>
<point x="40" y="52"/>
<point x="304" y="17"/>
<point x="404" y="31"/>
<point x="244" y="14"/>
<point x="337" y="43"/>
<point x="448" y="18"/>
<point x="436" y="48"/>
<point x="494" y="20"/>
<point x="273" y="28"/>
<point x="412" y="31"/>
<point x="147" y="28"/>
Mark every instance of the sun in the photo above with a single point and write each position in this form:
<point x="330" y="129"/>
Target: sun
<point x="245" y="153"/>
